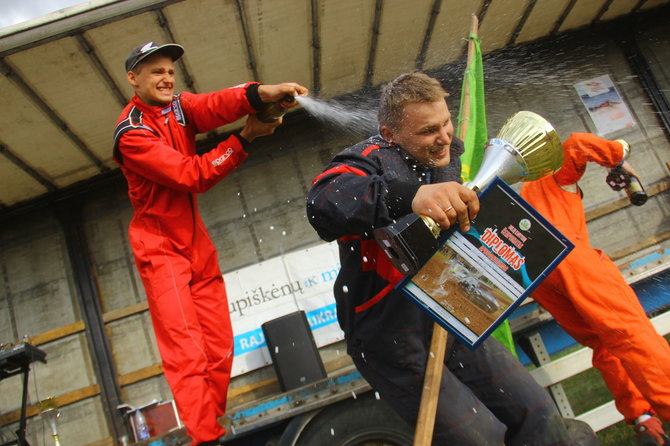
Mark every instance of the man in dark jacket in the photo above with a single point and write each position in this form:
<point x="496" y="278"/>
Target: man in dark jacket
<point x="486" y="396"/>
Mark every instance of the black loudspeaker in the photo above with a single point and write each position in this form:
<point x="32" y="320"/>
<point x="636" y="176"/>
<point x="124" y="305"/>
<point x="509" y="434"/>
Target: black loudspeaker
<point x="295" y="358"/>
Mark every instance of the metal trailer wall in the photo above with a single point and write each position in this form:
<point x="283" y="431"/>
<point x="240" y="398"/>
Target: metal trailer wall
<point x="541" y="78"/>
<point x="258" y="213"/>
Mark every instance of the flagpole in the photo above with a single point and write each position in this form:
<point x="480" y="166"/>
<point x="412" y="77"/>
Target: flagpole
<point x="463" y="125"/>
<point x="425" y="423"/>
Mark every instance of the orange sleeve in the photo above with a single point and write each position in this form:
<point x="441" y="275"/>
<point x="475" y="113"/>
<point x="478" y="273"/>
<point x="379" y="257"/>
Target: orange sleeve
<point x="581" y="148"/>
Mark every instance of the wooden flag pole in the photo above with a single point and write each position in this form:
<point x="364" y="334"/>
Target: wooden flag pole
<point x="463" y="125"/>
<point x="430" y="394"/>
<point x="425" y="423"/>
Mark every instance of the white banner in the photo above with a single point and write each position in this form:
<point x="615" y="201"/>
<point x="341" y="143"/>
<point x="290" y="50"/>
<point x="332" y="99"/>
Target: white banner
<point x="302" y="280"/>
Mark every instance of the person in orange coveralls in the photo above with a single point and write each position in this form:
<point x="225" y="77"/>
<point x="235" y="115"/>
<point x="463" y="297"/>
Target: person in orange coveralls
<point x="589" y="298"/>
<point x="154" y="144"/>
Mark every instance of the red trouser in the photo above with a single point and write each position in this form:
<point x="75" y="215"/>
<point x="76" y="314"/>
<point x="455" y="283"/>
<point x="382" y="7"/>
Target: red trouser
<point x="590" y="299"/>
<point x="189" y="309"/>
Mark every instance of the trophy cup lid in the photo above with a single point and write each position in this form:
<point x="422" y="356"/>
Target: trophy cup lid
<point x="536" y="141"/>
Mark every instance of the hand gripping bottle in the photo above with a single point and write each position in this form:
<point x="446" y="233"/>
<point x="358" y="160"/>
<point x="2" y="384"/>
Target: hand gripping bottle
<point x="618" y="178"/>
<point x="275" y="110"/>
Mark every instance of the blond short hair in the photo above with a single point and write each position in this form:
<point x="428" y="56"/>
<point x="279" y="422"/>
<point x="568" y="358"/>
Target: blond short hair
<point x="409" y="88"/>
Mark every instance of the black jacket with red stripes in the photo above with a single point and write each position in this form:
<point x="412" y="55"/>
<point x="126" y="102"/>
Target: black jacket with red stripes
<point x="365" y="187"/>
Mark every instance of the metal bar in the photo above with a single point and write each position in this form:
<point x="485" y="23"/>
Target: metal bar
<point x="186" y="75"/>
<point x="8" y="71"/>
<point x="601" y="417"/>
<point x="286" y="405"/>
<point x="434" y="12"/>
<point x="247" y="40"/>
<point x="374" y="38"/>
<point x="12" y="330"/>
<point x="316" y="48"/>
<point x="50" y="198"/>
<point x="102" y="70"/>
<point x="27" y="168"/>
<point x="70" y="215"/>
<point x="21" y="432"/>
<point x="264" y="412"/>
<point x="250" y="226"/>
<point x="522" y="22"/>
<point x="534" y="347"/>
<point x="603" y="9"/>
<point x="639" y="5"/>
<point x="561" y="19"/>
<point x="91" y="15"/>
<point x="626" y="38"/>
<point x="483" y="10"/>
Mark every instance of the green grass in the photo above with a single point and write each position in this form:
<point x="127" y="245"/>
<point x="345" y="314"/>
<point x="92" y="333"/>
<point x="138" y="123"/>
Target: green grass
<point x="586" y="391"/>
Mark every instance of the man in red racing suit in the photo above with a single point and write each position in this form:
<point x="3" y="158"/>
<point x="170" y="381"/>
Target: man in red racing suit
<point x="154" y="144"/>
<point x="589" y="298"/>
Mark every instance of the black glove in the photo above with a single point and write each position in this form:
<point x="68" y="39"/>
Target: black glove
<point x="618" y="178"/>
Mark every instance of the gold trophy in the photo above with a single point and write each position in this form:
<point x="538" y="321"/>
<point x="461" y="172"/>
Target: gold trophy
<point x="526" y="148"/>
<point x="49" y="413"/>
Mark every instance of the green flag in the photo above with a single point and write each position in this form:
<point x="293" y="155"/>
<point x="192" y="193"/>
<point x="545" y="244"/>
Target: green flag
<point x="476" y="135"/>
<point x="475" y="140"/>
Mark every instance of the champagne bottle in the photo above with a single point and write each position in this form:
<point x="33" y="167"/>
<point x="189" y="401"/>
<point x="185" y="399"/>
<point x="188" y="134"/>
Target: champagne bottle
<point x="274" y="110"/>
<point x="635" y="191"/>
<point x="141" y="427"/>
<point x="618" y="178"/>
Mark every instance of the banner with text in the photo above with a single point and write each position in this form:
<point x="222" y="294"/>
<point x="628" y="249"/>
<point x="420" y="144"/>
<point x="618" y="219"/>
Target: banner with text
<point x="302" y="280"/>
